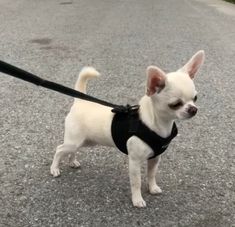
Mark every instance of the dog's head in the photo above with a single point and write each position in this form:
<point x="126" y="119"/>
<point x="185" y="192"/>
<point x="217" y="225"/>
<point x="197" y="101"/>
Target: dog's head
<point x="174" y="94"/>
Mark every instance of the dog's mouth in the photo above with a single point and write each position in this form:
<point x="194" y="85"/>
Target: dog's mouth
<point x="191" y="116"/>
<point x="186" y="115"/>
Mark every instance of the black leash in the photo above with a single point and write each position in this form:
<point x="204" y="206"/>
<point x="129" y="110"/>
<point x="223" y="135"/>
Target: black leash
<point x="29" y="77"/>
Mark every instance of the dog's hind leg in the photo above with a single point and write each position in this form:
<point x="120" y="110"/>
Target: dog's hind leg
<point x="69" y="147"/>
<point x="73" y="161"/>
<point x="73" y="139"/>
<point x="61" y="150"/>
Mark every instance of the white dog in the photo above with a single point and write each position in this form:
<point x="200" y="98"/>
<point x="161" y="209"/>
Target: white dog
<point x="168" y="97"/>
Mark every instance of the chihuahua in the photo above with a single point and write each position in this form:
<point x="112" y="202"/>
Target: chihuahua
<point x="169" y="96"/>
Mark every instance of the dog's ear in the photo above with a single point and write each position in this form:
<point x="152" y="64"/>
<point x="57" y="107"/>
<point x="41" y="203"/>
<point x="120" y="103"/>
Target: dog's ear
<point x="155" y="80"/>
<point x="193" y="65"/>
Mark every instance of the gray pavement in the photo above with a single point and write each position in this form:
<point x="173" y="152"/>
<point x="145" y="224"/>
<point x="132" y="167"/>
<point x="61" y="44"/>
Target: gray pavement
<point x="54" y="39"/>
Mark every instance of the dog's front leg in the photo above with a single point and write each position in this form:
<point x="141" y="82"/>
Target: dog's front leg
<point x="138" y="153"/>
<point x="135" y="182"/>
<point x="152" y="170"/>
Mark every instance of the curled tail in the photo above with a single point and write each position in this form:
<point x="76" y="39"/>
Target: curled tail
<point x="85" y="74"/>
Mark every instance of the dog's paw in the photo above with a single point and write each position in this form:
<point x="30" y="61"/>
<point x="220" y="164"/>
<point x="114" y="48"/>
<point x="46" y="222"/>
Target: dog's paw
<point x="139" y="203"/>
<point x="55" y="171"/>
<point x="74" y="164"/>
<point x="155" y="190"/>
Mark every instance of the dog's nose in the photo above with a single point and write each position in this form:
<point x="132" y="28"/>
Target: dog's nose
<point x="192" y="110"/>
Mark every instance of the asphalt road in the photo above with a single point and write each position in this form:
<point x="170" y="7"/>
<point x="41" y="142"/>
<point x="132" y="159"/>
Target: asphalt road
<point x="54" y="39"/>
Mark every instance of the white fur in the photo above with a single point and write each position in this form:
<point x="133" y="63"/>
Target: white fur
<point x="90" y="123"/>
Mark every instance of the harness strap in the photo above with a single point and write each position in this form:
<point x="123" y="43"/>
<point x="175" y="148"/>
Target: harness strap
<point x="29" y="77"/>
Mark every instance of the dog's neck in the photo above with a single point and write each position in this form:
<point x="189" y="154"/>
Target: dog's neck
<point x="154" y="118"/>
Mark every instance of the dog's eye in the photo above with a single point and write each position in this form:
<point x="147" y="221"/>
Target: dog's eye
<point x="195" y="98"/>
<point x="176" y="105"/>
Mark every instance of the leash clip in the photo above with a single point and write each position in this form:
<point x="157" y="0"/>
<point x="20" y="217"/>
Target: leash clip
<point x="133" y="109"/>
<point x="126" y="109"/>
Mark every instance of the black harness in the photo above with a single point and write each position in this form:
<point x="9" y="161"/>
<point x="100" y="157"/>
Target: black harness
<point x="128" y="124"/>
